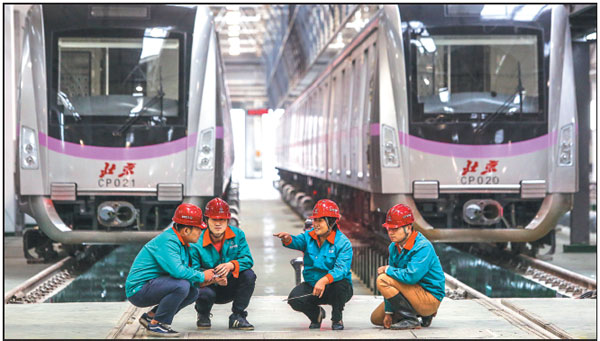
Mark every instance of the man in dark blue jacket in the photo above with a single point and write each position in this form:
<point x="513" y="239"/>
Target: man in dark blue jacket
<point x="413" y="284"/>
<point x="161" y="274"/>
<point x="327" y="261"/>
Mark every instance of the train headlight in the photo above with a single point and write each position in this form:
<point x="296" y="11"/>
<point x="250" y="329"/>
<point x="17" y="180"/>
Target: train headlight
<point x="565" y="148"/>
<point x="389" y="147"/>
<point x="29" y="149"/>
<point x="206" y="153"/>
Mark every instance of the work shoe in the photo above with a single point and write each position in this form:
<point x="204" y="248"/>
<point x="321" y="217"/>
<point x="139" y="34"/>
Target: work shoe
<point x="407" y="323"/>
<point x="145" y="320"/>
<point x="317" y="325"/>
<point x="337" y="325"/>
<point x="426" y="320"/>
<point x="203" y="321"/>
<point x="408" y="315"/>
<point x="161" y="330"/>
<point x="238" y="321"/>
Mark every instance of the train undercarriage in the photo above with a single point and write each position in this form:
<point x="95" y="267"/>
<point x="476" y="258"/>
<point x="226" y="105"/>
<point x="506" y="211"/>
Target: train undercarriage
<point x="447" y="212"/>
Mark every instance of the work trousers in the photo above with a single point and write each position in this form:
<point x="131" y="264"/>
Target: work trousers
<point x="239" y="290"/>
<point x="423" y="302"/>
<point x="169" y="295"/>
<point x="336" y="294"/>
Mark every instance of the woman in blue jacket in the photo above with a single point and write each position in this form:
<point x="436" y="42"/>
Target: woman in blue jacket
<point x="327" y="261"/>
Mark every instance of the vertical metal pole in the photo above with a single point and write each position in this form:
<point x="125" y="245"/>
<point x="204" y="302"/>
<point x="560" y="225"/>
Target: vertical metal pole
<point x="580" y="226"/>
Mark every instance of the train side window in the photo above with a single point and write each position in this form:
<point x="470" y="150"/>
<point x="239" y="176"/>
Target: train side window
<point x="339" y="122"/>
<point x="372" y="63"/>
<point x="354" y="145"/>
<point x="315" y="140"/>
<point x="360" y="108"/>
<point x="302" y="133"/>
<point x="323" y="127"/>
<point x="309" y="134"/>
<point x="348" y="117"/>
<point x="332" y="126"/>
<point x="293" y="133"/>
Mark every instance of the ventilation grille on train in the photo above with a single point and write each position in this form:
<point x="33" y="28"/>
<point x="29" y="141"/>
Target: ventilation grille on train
<point x="533" y="188"/>
<point x="170" y="192"/>
<point x="63" y="191"/>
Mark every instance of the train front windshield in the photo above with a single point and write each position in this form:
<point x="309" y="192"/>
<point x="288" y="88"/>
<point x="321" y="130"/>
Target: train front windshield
<point x="122" y="88"/>
<point x="477" y="74"/>
<point x="119" y="77"/>
<point x="477" y="87"/>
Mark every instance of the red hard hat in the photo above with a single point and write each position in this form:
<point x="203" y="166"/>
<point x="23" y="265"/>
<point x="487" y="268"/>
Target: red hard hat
<point x="217" y="209"/>
<point x="188" y="214"/>
<point x="325" y="208"/>
<point x="398" y="216"/>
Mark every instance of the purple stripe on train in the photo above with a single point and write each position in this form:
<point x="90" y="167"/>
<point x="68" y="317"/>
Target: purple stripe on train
<point x="478" y="151"/>
<point x="118" y="153"/>
<point x="219" y="132"/>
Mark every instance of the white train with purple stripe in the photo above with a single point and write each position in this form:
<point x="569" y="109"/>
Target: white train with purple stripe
<point x="466" y="113"/>
<point x="123" y="114"/>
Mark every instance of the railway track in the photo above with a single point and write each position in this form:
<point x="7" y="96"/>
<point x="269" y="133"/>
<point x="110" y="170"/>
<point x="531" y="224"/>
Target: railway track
<point x="44" y="284"/>
<point x="56" y="277"/>
<point x="565" y="282"/>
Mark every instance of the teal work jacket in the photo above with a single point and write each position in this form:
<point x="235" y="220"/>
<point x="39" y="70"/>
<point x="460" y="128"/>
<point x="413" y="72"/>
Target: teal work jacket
<point x="416" y="263"/>
<point x="165" y="255"/>
<point x="235" y="250"/>
<point x="333" y="259"/>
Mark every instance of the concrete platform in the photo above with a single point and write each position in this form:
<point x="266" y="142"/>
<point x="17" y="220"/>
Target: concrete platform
<point x="273" y="318"/>
<point x="62" y="320"/>
<point x="576" y="317"/>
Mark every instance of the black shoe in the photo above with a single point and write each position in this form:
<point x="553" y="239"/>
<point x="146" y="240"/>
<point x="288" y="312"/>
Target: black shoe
<point x="317" y="325"/>
<point x="408" y="315"/>
<point x="145" y="320"/>
<point x="238" y="321"/>
<point x="407" y="323"/>
<point x="426" y="320"/>
<point x="337" y="325"/>
<point x="203" y="321"/>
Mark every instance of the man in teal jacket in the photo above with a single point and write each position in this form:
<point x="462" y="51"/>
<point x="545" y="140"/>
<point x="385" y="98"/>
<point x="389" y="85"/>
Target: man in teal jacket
<point x="327" y="261"/>
<point x="413" y="284"/>
<point x="161" y="274"/>
<point x="224" y="249"/>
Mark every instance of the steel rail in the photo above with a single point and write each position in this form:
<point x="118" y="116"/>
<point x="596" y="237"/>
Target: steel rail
<point x="518" y="318"/>
<point x="563" y="273"/>
<point x="38" y="278"/>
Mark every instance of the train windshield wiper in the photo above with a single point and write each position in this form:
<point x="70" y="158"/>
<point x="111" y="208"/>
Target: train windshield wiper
<point x="158" y="97"/>
<point x="505" y="106"/>
<point x="64" y="100"/>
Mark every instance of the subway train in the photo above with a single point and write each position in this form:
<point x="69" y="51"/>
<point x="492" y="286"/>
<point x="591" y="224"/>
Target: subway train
<point x="466" y="113"/>
<point x="123" y="114"/>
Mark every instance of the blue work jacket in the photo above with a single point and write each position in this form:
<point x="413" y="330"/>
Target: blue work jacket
<point x="165" y="255"/>
<point x="235" y="250"/>
<point x="416" y="263"/>
<point x="332" y="259"/>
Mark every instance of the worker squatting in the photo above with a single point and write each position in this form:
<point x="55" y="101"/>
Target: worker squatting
<point x="204" y="261"/>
